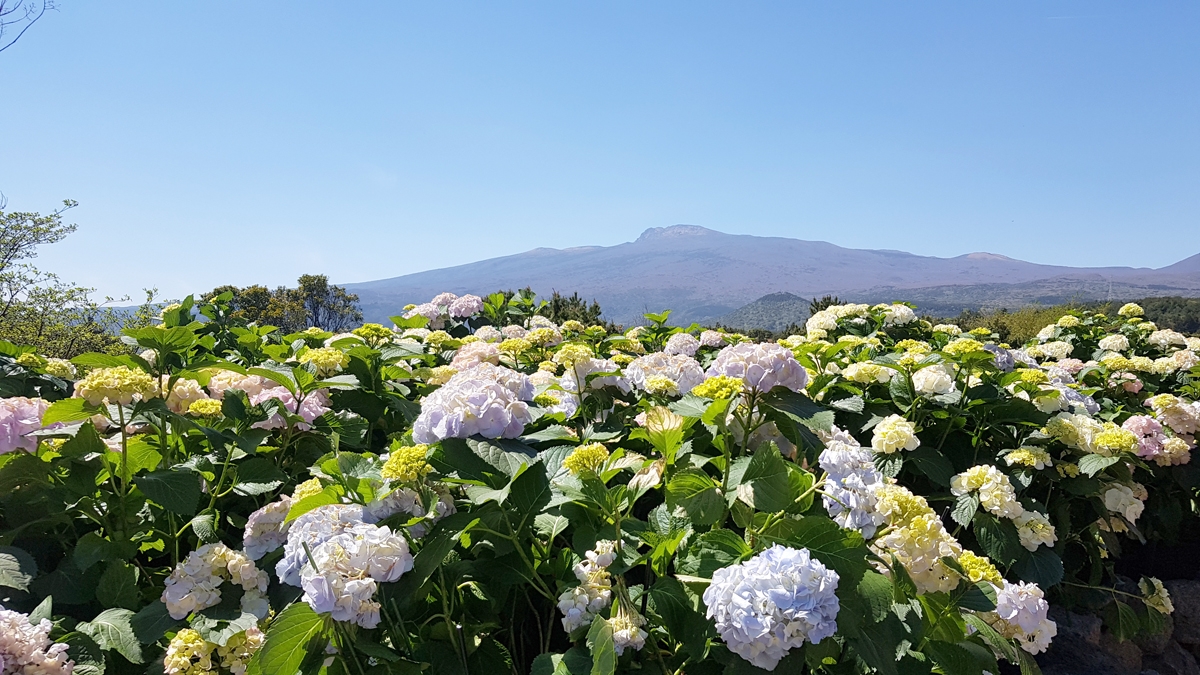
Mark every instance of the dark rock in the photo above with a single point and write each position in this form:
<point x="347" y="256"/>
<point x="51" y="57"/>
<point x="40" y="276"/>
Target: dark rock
<point x="1153" y="645"/>
<point x="1125" y="656"/>
<point x="1185" y="595"/>
<point x="1175" y="660"/>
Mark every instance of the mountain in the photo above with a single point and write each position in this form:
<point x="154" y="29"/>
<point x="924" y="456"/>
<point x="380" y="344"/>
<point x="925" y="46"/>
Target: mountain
<point x="704" y="275"/>
<point x="773" y="312"/>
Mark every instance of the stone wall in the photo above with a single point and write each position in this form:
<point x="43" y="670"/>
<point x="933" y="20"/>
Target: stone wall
<point x="1084" y="647"/>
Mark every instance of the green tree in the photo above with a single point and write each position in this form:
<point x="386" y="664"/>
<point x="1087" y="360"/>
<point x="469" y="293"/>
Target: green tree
<point x="329" y="307"/>
<point x="38" y="308"/>
<point x="562" y="308"/>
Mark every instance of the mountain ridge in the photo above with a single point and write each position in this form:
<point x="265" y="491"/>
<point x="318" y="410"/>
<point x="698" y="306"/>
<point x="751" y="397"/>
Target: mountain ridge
<point x="704" y="275"/>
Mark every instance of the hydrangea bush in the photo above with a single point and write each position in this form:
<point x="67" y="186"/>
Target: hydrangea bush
<point x="476" y="489"/>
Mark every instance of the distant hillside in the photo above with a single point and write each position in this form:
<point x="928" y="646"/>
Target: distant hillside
<point x="773" y="312"/>
<point x="704" y="276"/>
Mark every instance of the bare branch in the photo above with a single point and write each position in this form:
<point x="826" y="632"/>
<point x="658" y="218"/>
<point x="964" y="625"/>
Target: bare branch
<point x="23" y="13"/>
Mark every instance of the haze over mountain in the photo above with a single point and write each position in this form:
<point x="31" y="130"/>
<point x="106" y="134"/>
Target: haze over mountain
<point x="704" y="275"/>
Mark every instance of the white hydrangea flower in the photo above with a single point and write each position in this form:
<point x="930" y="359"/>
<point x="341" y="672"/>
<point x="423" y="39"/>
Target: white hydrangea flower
<point x="266" y="529"/>
<point x="627" y="629"/>
<point x="681" y="370"/>
<point x="348" y="567"/>
<point x="1114" y="343"/>
<point x="26" y="648"/>
<point x="934" y="380"/>
<point x="513" y="332"/>
<point x="1155" y="595"/>
<point x="685" y="344"/>
<point x="894" y="433"/>
<point x="917" y="538"/>
<point x="1119" y="498"/>
<point x="760" y="366"/>
<point x="1021" y="614"/>
<point x="475" y="353"/>
<point x="195" y="584"/>
<point x="898" y="315"/>
<point x="489" y="334"/>
<point x="866" y="372"/>
<point x="774" y="602"/>
<point x="1034" y="530"/>
<point x="488" y="400"/>
<point x="465" y="306"/>
<point x="851" y="482"/>
<point x="312" y="528"/>
<point x="711" y="338"/>
<point x="580" y="604"/>
<point x="1165" y="338"/>
<point x="576" y="378"/>
<point x="996" y="493"/>
<point x="948" y="329"/>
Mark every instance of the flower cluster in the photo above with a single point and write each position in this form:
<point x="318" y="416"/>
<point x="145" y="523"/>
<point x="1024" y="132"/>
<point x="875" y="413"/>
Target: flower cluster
<point x="26" y="647"/>
<point x="487" y="400"/>
<point x="1020" y="614"/>
<point x="18" y="417"/>
<point x="120" y="385"/>
<point x="894" y="433"/>
<point x="580" y="604"/>
<point x="342" y="572"/>
<point x="851" y="482"/>
<point x="666" y="374"/>
<point x="195" y="584"/>
<point x="773" y="603"/>
<point x="761" y="367"/>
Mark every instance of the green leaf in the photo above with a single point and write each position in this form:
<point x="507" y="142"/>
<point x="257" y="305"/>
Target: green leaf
<point x="710" y="552"/>
<point x="877" y="593"/>
<point x="843" y="551"/>
<point x="576" y="661"/>
<point x="683" y="623"/>
<point x="1122" y="620"/>
<point x="17" y="568"/>
<point x="933" y="464"/>
<point x="800" y="408"/>
<point x="152" y="622"/>
<point x="175" y="491"/>
<point x="690" y="406"/>
<point x="204" y="525"/>
<point x="697" y="494"/>
<point x="292" y="635"/>
<point x="111" y="630"/>
<point x="322" y="498"/>
<point x="1094" y="464"/>
<point x="998" y="538"/>
<point x="1042" y="567"/>
<point x="765" y="485"/>
<point x="550" y="526"/>
<point x="257" y="476"/>
<point x="965" y="508"/>
<point x="91" y="549"/>
<point x="998" y="643"/>
<point x="85" y="442"/>
<point x="44" y="610"/>
<point x="980" y="597"/>
<point x="118" y="586"/>
<point x="87" y="655"/>
<point x="600" y="642"/>
<point x="69" y="410"/>
<point x="141" y="457"/>
<point x="953" y="658"/>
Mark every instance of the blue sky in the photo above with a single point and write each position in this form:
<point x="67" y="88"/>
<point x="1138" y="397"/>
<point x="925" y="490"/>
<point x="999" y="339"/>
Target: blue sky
<point x="250" y="143"/>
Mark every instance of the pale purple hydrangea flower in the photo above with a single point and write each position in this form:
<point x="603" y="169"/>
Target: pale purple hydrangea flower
<point x="313" y="528"/>
<point x="489" y="334"/>
<point x="851" y="483"/>
<point x="26" y="647"/>
<point x="313" y="406"/>
<point x="760" y="366"/>
<point x="474" y="353"/>
<point x="20" y="416"/>
<point x="513" y="332"/>
<point x="465" y="306"/>
<point x="575" y="379"/>
<point x="680" y="369"/>
<point x="266" y="528"/>
<point x="349" y="566"/>
<point x="487" y="400"/>
<point x="773" y="603"/>
<point x="682" y="343"/>
<point x="1150" y="435"/>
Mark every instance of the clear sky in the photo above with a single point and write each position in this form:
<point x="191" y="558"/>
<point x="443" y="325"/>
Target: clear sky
<point x="212" y="143"/>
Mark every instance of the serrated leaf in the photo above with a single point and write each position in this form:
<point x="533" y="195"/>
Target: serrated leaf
<point x="175" y="491"/>
<point x="550" y="526"/>
<point x="697" y="494"/>
<point x="843" y="551"/>
<point x="710" y="552"/>
<point x="600" y="642"/>
<point x="965" y="508"/>
<point x="118" y="586"/>
<point x="290" y="637"/>
<point x="111" y="630"/>
<point x="1094" y="464"/>
<point x="17" y="568"/>
<point x="1042" y="567"/>
<point x="69" y="410"/>
<point x="152" y="622"/>
<point x="257" y="476"/>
